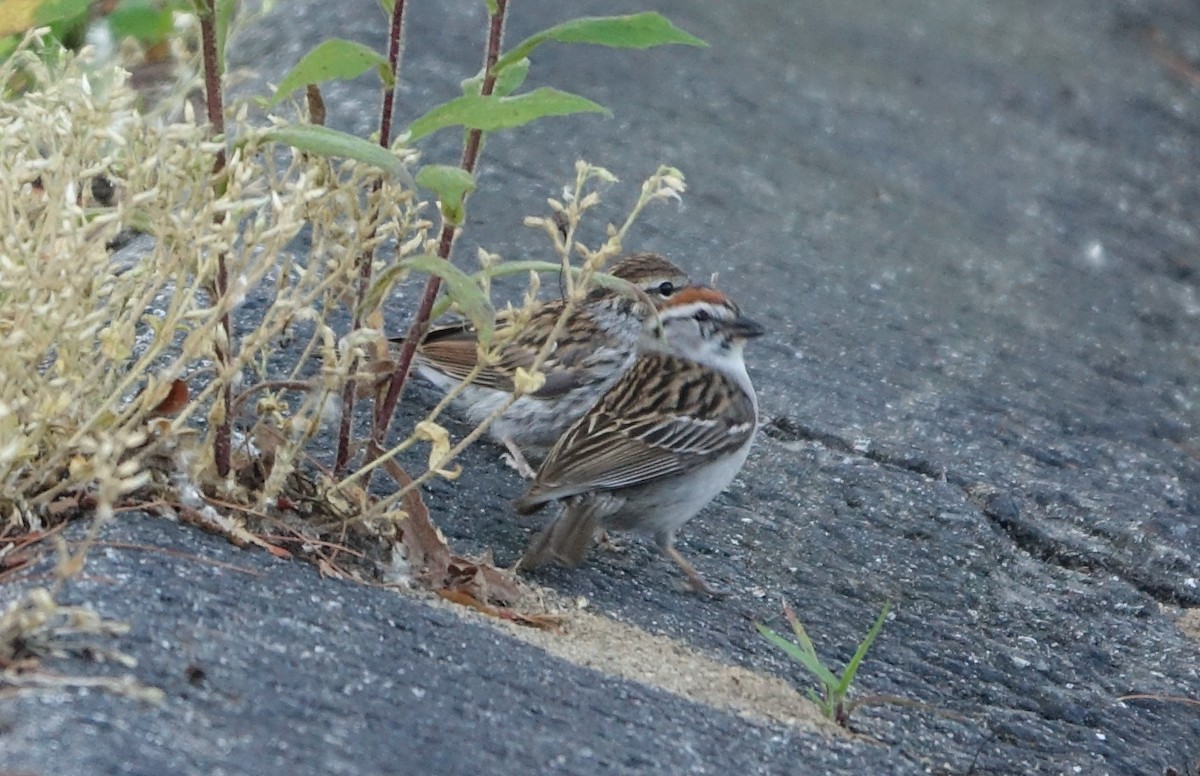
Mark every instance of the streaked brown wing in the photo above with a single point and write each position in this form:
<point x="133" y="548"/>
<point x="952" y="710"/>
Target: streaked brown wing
<point x="581" y="351"/>
<point x="663" y="417"/>
<point x="452" y="349"/>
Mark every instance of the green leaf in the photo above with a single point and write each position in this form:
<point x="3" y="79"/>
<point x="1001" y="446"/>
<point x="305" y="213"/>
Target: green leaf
<point x="53" y="11"/>
<point x="639" y="30"/>
<point x="465" y="292"/>
<point x="335" y="58"/>
<point x="814" y="666"/>
<point x="492" y="7"/>
<point x="521" y="267"/>
<point x="7" y="46"/>
<point x="861" y="652"/>
<point x="142" y="21"/>
<point x="381" y="284"/>
<point x="507" y="82"/>
<point x="330" y="142"/>
<point x="225" y="10"/>
<point x="525" y="266"/>
<point x="492" y="113"/>
<point x="451" y="185"/>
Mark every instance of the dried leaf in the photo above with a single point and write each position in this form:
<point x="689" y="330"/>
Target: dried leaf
<point x="372" y="376"/>
<point x="462" y="598"/>
<point x="327" y="569"/>
<point x="439" y="439"/>
<point x="374" y="320"/>
<point x="483" y="581"/>
<point x="175" y="400"/>
<point x="425" y="546"/>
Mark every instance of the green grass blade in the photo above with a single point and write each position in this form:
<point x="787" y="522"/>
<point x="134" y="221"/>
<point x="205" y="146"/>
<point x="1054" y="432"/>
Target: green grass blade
<point x="810" y="662"/>
<point x="798" y="629"/>
<point x="861" y="652"/>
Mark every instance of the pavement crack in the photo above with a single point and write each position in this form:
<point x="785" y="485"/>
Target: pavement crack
<point x="788" y="430"/>
<point x="1002" y="510"/>
<point x="785" y="429"/>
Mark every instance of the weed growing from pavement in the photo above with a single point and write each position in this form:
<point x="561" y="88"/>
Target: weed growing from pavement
<point x="835" y="688"/>
<point x="153" y="383"/>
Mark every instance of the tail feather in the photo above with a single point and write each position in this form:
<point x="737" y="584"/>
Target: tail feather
<point x="531" y="502"/>
<point x="566" y="541"/>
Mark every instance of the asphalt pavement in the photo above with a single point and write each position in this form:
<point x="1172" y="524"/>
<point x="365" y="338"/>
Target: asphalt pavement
<point x="970" y="231"/>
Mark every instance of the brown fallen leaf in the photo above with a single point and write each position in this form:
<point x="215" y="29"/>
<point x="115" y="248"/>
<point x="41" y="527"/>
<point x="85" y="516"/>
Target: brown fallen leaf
<point x="483" y="581"/>
<point x="373" y="376"/>
<point x="175" y="400"/>
<point x="462" y="598"/>
<point x="15" y="561"/>
<point x="424" y="545"/>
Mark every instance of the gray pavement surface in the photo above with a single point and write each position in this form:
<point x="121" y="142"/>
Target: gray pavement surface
<point x="970" y="229"/>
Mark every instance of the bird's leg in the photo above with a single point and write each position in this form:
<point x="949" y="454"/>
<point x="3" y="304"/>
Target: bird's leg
<point x="516" y="459"/>
<point x="694" y="579"/>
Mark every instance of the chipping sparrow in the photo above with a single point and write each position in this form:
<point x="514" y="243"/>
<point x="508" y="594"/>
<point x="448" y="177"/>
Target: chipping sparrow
<point x="598" y="343"/>
<point x="664" y="440"/>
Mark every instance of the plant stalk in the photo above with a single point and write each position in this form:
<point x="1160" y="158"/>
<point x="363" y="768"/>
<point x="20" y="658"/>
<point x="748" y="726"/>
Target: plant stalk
<point x="395" y="52"/>
<point x="420" y="324"/>
<point x="216" y="118"/>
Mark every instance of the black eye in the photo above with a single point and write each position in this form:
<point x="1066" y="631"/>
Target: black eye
<point x="702" y="315"/>
<point x="665" y="288"/>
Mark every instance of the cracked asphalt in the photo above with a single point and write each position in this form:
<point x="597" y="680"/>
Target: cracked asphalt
<point x="970" y="229"/>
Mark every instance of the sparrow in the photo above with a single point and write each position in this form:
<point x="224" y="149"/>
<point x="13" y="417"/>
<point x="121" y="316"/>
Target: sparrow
<point x="667" y="437"/>
<point x="598" y="343"/>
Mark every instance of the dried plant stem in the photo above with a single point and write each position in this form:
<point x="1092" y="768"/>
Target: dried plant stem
<point x="395" y="50"/>
<point x="420" y="324"/>
<point x="651" y="190"/>
<point x="375" y="461"/>
<point x="216" y="117"/>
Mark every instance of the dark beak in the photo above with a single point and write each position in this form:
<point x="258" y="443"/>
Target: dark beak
<point x="744" y="328"/>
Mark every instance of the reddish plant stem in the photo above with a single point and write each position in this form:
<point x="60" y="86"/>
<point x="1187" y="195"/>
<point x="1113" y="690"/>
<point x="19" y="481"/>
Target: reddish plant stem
<point x="395" y="51"/>
<point x="420" y="324"/>
<point x="342" y="458"/>
<point x="216" y="118"/>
